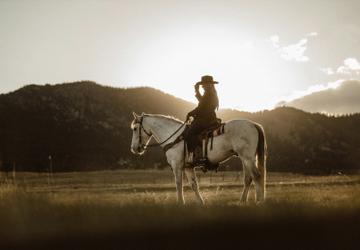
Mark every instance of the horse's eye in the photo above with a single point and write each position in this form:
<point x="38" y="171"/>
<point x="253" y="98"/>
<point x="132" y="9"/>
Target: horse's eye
<point x="135" y="129"/>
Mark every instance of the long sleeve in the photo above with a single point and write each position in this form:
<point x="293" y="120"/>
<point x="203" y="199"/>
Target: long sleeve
<point x="197" y="94"/>
<point x="194" y="112"/>
<point x="206" y="107"/>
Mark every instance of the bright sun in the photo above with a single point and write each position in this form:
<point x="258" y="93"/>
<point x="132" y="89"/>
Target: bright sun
<point x="246" y="70"/>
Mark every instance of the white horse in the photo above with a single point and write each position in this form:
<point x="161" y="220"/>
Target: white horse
<point x="242" y="138"/>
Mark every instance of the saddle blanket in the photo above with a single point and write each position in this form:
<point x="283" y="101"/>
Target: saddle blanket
<point x="207" y="137"/>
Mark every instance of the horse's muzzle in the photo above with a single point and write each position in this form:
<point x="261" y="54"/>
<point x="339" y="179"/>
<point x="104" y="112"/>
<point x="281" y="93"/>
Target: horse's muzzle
<point x="138" y="150"/>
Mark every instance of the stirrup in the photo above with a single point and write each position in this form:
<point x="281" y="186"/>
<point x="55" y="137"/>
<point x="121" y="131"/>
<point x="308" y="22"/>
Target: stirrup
<point x="203" y="161"/>
<point x="206" y="165"/>
<point x="204" y="169"/>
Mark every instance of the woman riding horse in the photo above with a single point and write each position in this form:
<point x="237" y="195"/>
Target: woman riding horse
<point x="204" y="114"/>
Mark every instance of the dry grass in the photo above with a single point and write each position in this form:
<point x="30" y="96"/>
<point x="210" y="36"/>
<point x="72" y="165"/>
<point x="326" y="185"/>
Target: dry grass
<point x="112" y="209"/>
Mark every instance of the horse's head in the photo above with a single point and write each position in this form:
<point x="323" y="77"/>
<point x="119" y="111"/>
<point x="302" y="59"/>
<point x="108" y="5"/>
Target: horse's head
<point x="140" y="137"/>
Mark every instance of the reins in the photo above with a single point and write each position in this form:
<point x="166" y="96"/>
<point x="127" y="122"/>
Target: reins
<point x="149" y="134"/>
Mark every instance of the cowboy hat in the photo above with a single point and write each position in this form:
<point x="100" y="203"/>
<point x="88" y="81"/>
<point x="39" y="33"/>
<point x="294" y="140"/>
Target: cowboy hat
<point x="207" y="80"/>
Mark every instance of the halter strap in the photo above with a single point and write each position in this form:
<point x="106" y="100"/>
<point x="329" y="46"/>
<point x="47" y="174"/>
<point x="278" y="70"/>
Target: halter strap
<point x="142" y="127"/>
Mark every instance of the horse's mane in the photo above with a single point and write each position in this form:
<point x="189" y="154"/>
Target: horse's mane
<point x="167" y="117"/>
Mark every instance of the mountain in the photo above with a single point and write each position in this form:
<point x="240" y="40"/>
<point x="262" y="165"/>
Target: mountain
<point x="344" y="99"/>
<point x="85" y="126"/>
<point x="80" y="125"/>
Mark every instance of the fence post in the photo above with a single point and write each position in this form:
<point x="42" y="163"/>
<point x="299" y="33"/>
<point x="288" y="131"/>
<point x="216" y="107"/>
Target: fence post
<point x="14" y="173"/>
<point x="237" y="177"/>
<point x="50" y="171"/>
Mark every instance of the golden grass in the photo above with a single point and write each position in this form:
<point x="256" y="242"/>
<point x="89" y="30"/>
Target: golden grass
<point x="126" y="203"/>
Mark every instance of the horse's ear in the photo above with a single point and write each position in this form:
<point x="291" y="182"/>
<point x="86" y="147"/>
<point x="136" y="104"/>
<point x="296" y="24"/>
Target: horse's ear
<point x="135" y="115"/>
<point x="142" y="114"/>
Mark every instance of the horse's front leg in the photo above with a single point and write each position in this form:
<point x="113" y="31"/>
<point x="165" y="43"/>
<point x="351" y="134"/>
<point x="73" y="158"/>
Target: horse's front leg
<point x="191" y="176"/>
<point x="178" y="173"/>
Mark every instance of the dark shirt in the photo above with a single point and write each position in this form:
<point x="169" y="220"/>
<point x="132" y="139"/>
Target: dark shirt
<point x="205" y="111"/>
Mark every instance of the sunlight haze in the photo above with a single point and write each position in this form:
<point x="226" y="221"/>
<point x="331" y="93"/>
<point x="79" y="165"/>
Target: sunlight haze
<point x="261" y="52"/>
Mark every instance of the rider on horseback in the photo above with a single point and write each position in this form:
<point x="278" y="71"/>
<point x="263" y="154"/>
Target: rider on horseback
<point x="204" y="114"/>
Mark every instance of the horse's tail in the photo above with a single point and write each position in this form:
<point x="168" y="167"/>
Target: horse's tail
<point x="261" y="153"/>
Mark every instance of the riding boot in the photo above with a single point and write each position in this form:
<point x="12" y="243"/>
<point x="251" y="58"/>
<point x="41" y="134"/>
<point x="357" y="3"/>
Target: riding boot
<point x="206" y="165"/>
<point x="203" y="162"/>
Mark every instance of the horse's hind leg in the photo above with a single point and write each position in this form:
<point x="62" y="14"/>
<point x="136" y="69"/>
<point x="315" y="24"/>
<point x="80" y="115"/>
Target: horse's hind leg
<point x="256" y="177"/>
<point x="191" y="176"/>
<point x="247" y="183"/>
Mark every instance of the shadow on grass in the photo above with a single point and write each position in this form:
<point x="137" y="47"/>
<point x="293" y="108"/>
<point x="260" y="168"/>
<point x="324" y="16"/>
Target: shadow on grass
<point x="37" y="222"/>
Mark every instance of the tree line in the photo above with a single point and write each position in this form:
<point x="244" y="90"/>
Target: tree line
<point x="85" y="126"/>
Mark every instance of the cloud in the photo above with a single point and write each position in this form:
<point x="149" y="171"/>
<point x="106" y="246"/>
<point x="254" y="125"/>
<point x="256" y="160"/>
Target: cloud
<point x="337" y="98"/>
<point x="293" y="52"/>
<point x="312" y="34"/>
<point x="350" y="66"/>
<point x="328" y="71"/>
<point x="275" y="39"/>
<point x="312" y="89"/>
<point x="352" y="63"/>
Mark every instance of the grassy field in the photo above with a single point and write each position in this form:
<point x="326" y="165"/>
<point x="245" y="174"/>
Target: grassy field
<point x="137" y="210"/>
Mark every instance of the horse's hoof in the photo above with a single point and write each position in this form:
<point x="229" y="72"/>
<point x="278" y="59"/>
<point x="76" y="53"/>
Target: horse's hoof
<point x="243" y="203"/>
<point x="260" y="203"/>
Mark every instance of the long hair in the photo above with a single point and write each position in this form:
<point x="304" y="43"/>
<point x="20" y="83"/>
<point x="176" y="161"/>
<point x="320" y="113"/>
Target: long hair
<point x="211" y="91"/>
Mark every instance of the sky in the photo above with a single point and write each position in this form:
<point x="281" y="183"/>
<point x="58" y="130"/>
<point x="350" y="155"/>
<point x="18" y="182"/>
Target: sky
<point x="261" y="52"/>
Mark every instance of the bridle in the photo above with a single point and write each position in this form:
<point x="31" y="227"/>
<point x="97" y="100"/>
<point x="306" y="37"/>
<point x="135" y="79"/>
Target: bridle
<point x="141" y="127"/>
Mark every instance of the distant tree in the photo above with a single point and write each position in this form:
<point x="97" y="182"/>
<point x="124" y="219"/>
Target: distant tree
<point x="85" y="126"/>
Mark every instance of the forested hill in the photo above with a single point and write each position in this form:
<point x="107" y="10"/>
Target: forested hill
<point x="85" y="126"/>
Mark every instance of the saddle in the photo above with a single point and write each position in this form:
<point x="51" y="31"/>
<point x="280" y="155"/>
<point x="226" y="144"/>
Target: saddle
<point x="213" y="131"/>
<point x="201" y="150"/>
<point x="205" y="137"/>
